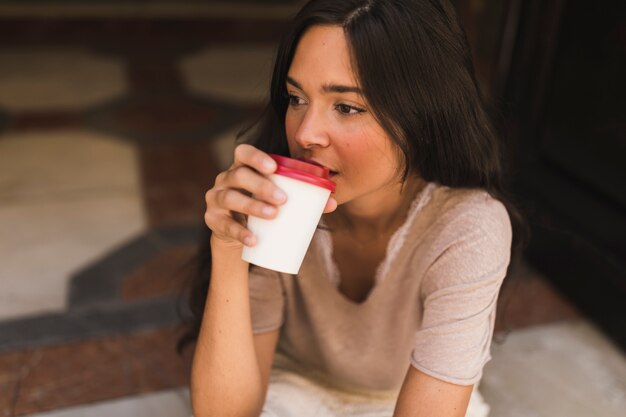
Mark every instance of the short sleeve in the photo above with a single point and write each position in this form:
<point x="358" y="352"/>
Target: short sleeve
<point x="266" y="299"/>
<point x="459" y="292"/>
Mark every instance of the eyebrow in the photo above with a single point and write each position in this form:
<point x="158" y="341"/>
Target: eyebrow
<point x="329" y="88"/>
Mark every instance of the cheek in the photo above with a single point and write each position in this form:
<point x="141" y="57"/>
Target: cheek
<point x="357" y="155"/>
<point x="291" y="126"/>
<point x="361" y="145"/>
<point x="369" y="156"/>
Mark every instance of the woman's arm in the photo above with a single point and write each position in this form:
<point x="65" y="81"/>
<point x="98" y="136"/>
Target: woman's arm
<point x="265" y="347"/>
<point x="226" y="378"/>
<point x="460" y="292"/>
<point x="231" y="367"/>
<point x="425" y="396"/>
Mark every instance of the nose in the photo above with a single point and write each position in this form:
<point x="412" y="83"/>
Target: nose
<point x="313" y="130"/>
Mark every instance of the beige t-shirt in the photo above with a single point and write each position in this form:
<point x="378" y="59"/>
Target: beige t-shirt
<point x="432" y="306"/>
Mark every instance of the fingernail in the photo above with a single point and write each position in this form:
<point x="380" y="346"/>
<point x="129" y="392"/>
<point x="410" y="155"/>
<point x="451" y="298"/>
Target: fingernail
<point x="280" y="195"/>
<point x="268" y="210"/>
<point x="269" y="164"/>
<point x="248" y="241"/>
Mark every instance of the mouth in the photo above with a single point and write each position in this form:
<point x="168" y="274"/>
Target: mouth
<point x="331" y="172"/>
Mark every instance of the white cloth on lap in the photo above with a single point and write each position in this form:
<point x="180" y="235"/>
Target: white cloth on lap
<point x="293" y="395"/>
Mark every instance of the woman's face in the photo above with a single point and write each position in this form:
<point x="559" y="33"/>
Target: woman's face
<point x="328" y="120"/>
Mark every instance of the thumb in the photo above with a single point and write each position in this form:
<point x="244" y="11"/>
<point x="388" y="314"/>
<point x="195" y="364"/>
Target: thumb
<point x="331" y="205"/>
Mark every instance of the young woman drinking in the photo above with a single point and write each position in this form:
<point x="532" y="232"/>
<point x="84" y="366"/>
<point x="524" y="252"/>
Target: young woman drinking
<point x="392" y="312"/>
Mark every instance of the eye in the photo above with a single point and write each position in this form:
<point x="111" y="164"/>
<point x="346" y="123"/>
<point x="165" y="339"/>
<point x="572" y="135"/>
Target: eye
<point x="348" y="110"/>
<point x="294" y="100"/>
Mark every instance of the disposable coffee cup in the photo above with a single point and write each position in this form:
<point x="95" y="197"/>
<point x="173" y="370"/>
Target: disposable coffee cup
<point x="282" y="242"/>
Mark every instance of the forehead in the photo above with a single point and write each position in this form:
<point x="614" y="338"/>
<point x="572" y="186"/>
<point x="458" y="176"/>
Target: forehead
<point x="323" y="55"/>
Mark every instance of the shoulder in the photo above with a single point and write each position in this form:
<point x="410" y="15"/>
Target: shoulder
<point x="459" y="214"/>
<point x="469" y="235"/>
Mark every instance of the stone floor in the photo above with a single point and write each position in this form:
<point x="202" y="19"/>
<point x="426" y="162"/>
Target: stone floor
<point x="114" y="121"/>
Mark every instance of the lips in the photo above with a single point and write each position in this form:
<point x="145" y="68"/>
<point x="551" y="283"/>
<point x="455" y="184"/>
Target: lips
<point x="314" y="162"/>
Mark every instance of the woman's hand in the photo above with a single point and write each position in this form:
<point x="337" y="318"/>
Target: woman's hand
<point x="230" y="200"/>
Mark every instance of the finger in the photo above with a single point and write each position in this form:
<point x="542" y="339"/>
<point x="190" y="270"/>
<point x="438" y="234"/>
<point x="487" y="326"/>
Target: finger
<point x="225" y="228"/>
<point x="261" y="187"/>
<point x="239" y="232"/>
<point x="240" y="218"/>
<point x="249" y="155"/>
<point x="331" y="205"/>
<point x="235" y="201"/>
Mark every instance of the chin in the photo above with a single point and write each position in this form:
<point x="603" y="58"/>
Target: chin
<point x="340" y="198"/>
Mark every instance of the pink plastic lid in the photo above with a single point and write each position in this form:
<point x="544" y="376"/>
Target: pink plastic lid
<point x="303" y="171"/>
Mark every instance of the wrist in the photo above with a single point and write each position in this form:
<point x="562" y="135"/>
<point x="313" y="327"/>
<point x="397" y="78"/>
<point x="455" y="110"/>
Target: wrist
<point x="223" y="245"/>
<point x="228" y="251"/>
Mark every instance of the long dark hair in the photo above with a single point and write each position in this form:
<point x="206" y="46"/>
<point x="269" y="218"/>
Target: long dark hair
<point x="414" y="66"/>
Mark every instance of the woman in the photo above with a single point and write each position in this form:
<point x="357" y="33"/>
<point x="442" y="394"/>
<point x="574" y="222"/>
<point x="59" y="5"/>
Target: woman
<point x="392" y="312"/>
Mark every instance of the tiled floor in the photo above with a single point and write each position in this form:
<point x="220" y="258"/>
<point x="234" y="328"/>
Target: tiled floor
<point x="66" y="197"/>
<point x="58" y="79"/>
<point x="204" y="74"/>
<point x="169" y="403"/>
<point x="112" y="127"/>
<point x="524" y="379"/>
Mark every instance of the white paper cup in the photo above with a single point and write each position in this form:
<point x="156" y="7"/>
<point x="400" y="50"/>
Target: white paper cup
<point x="282" y="242"/>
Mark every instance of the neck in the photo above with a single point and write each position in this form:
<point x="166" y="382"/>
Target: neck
<point x="377" y="214"/>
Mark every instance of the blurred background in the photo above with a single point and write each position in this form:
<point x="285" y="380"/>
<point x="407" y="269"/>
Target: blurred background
<point x="116" y="115"/>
